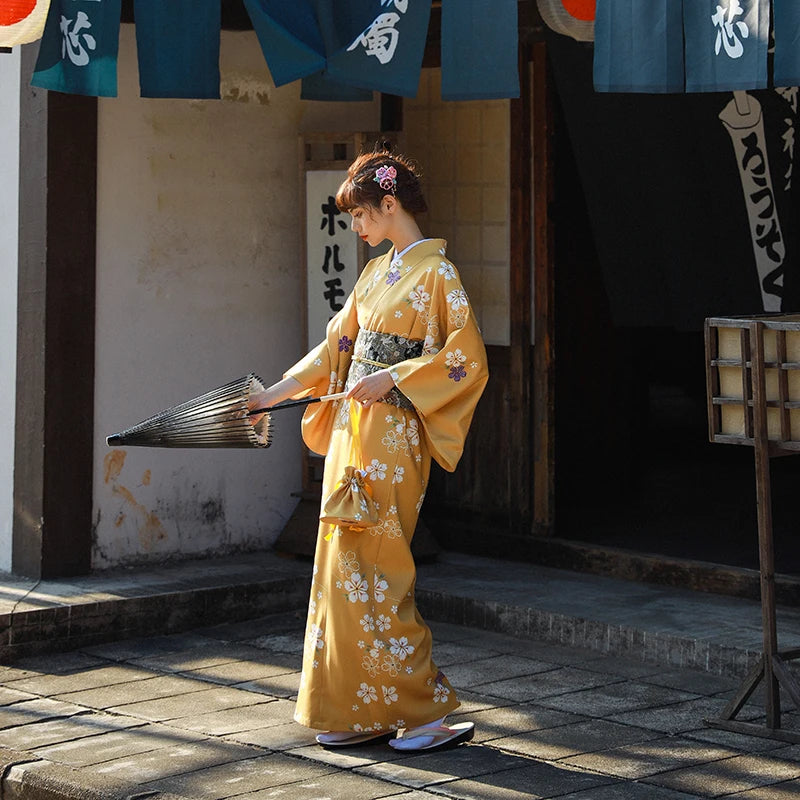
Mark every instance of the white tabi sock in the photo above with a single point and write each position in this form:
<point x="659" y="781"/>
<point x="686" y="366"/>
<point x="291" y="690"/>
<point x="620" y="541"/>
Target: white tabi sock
<point x="336" y="736"/>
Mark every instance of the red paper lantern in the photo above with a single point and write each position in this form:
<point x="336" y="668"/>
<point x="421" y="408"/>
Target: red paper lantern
<point x="573" y="18"/>
<point x="22" y="21"/>
<point x="13" y="11"/>
<point x="581" y="9"/>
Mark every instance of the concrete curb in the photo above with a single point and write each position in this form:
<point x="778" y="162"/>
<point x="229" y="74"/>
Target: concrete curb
<point x="27" y="777"/>
<point x="43" y="780"/>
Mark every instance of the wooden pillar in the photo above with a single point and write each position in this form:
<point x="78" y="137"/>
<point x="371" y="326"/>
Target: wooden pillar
<point x="544" y="297"/>
<point x="521" y="253"/>
<point x="54" y="425"/>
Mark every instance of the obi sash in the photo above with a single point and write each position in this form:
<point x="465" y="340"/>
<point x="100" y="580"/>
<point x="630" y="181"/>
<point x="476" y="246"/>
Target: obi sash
<point x="374" y="351"/>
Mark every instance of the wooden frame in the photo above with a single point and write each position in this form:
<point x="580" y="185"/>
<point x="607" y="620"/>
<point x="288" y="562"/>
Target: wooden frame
<point x="752" y="367"/>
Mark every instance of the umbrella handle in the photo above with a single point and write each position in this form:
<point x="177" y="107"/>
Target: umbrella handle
<point x="304" y="402"/>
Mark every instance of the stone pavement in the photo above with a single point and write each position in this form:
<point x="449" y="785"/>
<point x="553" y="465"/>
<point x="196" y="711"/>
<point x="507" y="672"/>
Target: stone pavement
<point x="207" y="714"/>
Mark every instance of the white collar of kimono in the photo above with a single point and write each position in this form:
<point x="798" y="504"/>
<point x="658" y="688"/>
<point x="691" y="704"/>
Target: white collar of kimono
<point x="398" y="256"/>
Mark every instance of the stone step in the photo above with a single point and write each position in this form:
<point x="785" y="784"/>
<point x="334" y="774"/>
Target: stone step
<point x="659" y="624"/>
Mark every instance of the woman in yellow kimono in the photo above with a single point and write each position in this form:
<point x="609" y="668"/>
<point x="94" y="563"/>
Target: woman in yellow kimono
<point x="409" y="354"/>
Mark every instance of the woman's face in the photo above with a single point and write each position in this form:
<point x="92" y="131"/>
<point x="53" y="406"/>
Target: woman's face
<point x="371" y="224"/>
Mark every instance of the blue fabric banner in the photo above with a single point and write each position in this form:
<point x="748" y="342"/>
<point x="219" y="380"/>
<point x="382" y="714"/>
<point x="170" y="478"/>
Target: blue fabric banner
<point x="479" y="50"/>
<point x="177" y="44"/>
<point x="726" y="44"/>
<point x="638" y="46"/>
<point x="375" y="44"/>
<point x="319" y="87"/>
<point x="289" y="37"/>
<point x="78" y="52"/>
<point x="787" y="42"/>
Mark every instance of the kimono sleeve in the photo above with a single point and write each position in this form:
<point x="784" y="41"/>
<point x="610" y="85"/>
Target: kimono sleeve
<point x="324" y="371"/>
<point x="447" y="380"/>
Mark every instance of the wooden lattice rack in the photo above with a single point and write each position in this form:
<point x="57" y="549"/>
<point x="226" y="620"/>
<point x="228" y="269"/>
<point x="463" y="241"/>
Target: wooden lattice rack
<point x="753" y="395"/>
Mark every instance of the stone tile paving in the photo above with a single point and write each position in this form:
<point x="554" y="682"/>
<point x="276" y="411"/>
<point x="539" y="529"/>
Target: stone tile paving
<point x="69" y="729"/>
<point x="499" y="667"/>
<point x="265" y="712"/>
<point x="150" y="688"/>
<point x="496" y="724"/>
<point x="208" y="715"/>
<point x="679" y="717"/>
<point x="644" y="759"/>
<point x="181" y="705"/>
<point x="570" y="740"/>
<point x="627" y="791"/>
<point x="736" y="774"/>
<point x="615" y="696"/>
<point x="245" y="776"/>
<point x="548" y="683"/>
<point x="117" y="744"/>
<point x="776" y="791"/>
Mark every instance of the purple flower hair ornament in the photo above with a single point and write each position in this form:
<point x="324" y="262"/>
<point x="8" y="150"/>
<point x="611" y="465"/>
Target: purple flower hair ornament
<point x="386" y="178"/>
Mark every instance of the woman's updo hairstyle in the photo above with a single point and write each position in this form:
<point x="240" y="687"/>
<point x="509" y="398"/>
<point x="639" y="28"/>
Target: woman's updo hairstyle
<point x="395" y="175"/>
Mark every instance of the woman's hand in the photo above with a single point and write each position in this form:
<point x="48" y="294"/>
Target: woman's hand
<point x="282" y="390"/>
<point x="371" y="388"/>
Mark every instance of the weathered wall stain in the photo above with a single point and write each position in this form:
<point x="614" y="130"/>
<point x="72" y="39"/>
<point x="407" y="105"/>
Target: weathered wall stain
<point x="148" y="526"/>
<point x="212" y="510"/>
<point x="113" y="464"/>
<point x="245" y="88"/>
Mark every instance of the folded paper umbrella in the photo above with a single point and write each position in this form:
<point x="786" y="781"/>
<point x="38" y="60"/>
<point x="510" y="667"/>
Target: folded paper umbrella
<point x="219" y="418"/>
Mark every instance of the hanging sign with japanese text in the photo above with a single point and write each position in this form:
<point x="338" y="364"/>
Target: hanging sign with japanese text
<point x="331" y="251"/>
<point x="22" y="21"/>
<point x="692" y="198"/>
<point x="726" y="44"/>
<point x="78" y="53"/>
<point x="375" y="44"/>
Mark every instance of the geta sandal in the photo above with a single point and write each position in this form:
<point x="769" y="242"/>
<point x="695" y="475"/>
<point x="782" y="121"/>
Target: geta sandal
<point x="373" y="737"/>
<point x="445" y="737"/>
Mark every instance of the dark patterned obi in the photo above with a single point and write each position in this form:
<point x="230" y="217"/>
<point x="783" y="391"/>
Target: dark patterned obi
<point x="374" y="351"/>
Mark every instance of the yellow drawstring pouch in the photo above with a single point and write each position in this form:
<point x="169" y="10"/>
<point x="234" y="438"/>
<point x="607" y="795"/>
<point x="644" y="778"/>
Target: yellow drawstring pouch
<point x="350" y="504"/>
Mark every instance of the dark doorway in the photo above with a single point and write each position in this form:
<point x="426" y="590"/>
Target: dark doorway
<point x="634" y="468"/>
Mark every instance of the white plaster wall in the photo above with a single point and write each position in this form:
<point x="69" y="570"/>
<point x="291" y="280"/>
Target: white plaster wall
<point x="199" y="282"/>
<point x="9" y="231"/>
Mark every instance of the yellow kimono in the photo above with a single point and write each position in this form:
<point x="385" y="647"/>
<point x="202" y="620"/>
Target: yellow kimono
<point x="367" y="662"/>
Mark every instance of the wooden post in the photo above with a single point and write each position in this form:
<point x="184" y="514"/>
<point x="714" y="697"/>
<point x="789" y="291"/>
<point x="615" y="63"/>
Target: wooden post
<point x="766" y="554"/>
<point x="53" y="461"/>
<point x="520" y="292"/>
<point x="544" y="298"/>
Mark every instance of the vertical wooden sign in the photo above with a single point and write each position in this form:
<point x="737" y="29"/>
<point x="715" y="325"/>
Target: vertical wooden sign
<point x="332" y="251"/>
